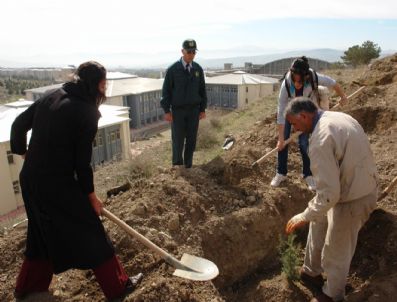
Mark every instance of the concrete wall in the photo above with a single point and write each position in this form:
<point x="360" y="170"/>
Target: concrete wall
<point x="115" y="101"/>
<point x="111" y="143"/>
<point x="9" y="172"/>
<point x="125" y="140"/>
<point x="252" y="92"/>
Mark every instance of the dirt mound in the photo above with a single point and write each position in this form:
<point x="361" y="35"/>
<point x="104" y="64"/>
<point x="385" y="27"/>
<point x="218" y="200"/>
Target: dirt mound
<point x="381" y="72"/>
<point x="226" y="211"/>
<point x="375" y="119"/>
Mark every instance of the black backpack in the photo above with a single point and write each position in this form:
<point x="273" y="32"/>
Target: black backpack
<point x="313" y="82"/>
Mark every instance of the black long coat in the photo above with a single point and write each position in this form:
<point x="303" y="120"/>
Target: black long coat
<point x="57" y="177"/>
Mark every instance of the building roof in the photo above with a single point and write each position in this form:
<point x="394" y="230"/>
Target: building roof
<point x="8" y="113"/>
<point x="111" y="115"/>
<point x="132" y="86"/>
<point x="118" y="84"/>
<point x="114" y="75"/>
<point x="240" y="78"/>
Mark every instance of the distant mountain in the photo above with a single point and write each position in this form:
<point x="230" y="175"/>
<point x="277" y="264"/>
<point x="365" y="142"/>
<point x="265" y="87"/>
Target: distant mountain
<point x="326" y="54"/>
<point x="207" y="58"/>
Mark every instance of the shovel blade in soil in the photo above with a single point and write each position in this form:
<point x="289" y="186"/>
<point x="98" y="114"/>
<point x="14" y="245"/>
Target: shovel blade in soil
<point x="201" y="269"/>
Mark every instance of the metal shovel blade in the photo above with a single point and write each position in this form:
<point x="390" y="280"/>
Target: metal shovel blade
<point x="190" y="267"/>
<point x="198" y="269"/>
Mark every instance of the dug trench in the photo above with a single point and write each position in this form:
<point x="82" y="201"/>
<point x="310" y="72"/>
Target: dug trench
<point x="227" y="212"/>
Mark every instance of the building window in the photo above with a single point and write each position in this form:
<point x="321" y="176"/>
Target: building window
<point x="100" y="140"/>
<point x="118" y="134"/>
<point x="15" y="184"/>
<point x="10" y="157"/>
<point x="246" y="101"/>
<point x="246" y="89"/>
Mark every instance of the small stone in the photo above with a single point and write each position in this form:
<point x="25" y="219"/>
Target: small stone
<point x="251" y="199"/>
<point x="173" y="223"/>
<point x="139" y="209"/>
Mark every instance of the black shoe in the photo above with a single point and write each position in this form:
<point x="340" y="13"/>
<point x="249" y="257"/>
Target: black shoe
<point x="130" y="286"/>
<point x="19" y="295"/>
<point x="321" y="297"/>
<point x="315" y="283"/>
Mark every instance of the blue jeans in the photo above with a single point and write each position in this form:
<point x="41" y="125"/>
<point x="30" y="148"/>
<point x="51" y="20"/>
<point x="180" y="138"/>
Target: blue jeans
<point x="282" y="158"/>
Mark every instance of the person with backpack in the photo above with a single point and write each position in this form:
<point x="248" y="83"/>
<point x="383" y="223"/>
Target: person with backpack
<point x="300" y="80"/>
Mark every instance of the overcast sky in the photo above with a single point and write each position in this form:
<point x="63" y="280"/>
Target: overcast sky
<point x="57" y="27"/>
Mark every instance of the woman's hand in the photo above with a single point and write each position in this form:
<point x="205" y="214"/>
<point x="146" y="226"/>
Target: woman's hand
<point x="96" y="203"/>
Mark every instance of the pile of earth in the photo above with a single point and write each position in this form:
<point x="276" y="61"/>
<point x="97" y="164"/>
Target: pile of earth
<point x="227" y="212"/>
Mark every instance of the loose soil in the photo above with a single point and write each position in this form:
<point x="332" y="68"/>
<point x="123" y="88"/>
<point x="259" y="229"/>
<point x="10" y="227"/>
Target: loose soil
<point x="226" y="211"/>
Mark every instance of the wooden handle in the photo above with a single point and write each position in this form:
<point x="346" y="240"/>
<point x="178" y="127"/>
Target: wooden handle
<point x="296" y="134"/>
<point x="348" y="97"/>
<point x="388" y="189"/>
<point x="291" y="138"/>
<point x="135" y="234"/>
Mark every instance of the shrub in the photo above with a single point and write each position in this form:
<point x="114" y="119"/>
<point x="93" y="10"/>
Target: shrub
<point x="216" y="123"/>
<point x="289" y="257"/>
<point x="206" y="137"/>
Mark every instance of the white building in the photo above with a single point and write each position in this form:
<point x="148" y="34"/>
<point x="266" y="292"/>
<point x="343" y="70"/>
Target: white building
<point x="237" y="89"/>
<point x="141" y="95"/>
<point x="112" y="142"/>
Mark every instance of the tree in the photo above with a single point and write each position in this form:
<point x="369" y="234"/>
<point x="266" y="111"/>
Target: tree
<point x="363" y="54"/>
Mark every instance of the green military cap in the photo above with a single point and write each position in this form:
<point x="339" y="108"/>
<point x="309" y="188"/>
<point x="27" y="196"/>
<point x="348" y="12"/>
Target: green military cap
<point x="189" y="44"/>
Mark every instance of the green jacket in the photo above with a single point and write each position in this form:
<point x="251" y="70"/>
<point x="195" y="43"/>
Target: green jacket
<point x="182" y="89"/>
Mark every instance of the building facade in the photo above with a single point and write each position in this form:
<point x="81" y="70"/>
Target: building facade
<point x="279" y="67"/>
<point x="238" y="89"/>
<point x="141" y="95"/>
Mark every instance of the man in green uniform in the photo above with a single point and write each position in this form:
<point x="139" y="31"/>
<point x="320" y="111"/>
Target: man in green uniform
<point x="184" y="101"/>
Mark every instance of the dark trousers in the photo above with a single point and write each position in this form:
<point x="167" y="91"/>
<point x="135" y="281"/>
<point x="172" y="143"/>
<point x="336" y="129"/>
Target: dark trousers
<point x="282" y="158"/>
<point x="184" y="127"/>
<point x="36" y="276"/>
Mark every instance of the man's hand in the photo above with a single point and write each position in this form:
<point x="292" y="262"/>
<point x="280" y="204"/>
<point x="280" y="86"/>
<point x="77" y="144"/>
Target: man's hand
<point x="168" y="117"/>
<point x="294" y="223"/>
<point x="280" y="145"/>
<point x="202" y="115"/>
<point x="343" y="100"/>
<point x="96" y="203"/>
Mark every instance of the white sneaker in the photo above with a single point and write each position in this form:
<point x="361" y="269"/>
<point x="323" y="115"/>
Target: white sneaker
<point x="310" y="183"/>
<point x="278" y="179"/>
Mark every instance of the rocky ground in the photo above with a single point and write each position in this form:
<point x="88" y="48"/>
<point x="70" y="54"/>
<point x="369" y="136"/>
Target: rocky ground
<point x="226" y="211"/>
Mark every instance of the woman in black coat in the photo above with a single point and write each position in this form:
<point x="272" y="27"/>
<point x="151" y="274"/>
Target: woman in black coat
<point x="64" y="230"/>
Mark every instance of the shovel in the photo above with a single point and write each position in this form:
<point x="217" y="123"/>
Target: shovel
<point x="190" y="267"/>
<point x="296" y="134"/>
